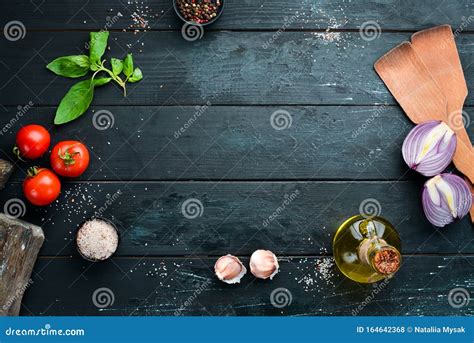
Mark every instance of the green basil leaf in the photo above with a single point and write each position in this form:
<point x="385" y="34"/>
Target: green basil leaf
<point x="70" y="66"/>
<point x="97" y="46"/>
<point x="77" y="100"/>
<point x="136" y="76"/>
<point x="117" y="66"/>
<point x="128" y="65"/>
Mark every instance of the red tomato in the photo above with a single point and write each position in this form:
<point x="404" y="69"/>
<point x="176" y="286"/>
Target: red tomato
<point x="32" y="141"/>
<point x="41" y="187"/>
<point x="69" y="158"/>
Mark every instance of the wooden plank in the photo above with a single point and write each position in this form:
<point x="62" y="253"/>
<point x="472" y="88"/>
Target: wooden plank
<point x="6" y="169"/>
<point x="19" y="245"/>
<point x="232" y="143"/>
<point x="234" y="217"/>
<point x="223" y="68"/>
<point x="257" y="14"/>
<point x="229" y="143"/>
<point x="154" y="286"/>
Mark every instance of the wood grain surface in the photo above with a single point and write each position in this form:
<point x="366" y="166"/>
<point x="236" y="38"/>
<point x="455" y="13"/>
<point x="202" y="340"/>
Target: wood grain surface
<point x="201" y="125"/>
<point x="245" y="14"/>
<point x="297" y="68"/>
<point x="170" y="286"/>
<point x="20" y="243"/>
<point x="6" y="169"/>
<point x="232" y="143"/>
<point x="151" y="221"/>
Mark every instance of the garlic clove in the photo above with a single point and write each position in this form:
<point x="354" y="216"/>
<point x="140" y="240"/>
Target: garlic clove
<point x="429" y="147"/>
<point x="264" y="264"/>
<point x="446" y="197"/>
<point x="229" y="269"/>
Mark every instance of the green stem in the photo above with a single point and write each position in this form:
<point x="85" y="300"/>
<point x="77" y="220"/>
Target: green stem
<point x="114" y="77"/>
<point x="33" y="171"/>
<point x="93" y="75"/>
<point x="17" y="152"/>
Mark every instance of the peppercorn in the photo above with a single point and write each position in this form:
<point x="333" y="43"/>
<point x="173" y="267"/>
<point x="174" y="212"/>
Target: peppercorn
<point x="199" y="11"/>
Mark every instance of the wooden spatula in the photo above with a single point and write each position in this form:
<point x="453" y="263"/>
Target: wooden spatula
<point x="437" y="49"/>
<point x="410" y="82"/>
<point x="412" y="85"/>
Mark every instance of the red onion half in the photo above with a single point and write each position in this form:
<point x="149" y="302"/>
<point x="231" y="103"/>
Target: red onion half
<point x="429" y="147"/>
<point x="446" y="197"/>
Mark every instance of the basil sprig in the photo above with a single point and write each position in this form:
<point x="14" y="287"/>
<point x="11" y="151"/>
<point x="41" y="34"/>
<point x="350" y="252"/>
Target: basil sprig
<point x="79" y="97"/>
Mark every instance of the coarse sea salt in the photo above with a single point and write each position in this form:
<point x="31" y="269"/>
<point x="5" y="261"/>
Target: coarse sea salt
<point x="97" y="240"/>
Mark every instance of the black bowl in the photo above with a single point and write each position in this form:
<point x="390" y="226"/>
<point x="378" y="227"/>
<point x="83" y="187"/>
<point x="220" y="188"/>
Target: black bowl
<point x="178" y="13"/>
<point x="104" y="220"/>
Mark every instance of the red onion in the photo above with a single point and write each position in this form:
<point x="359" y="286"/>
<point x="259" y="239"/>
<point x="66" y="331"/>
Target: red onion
<point x="445" y="198"/>
<point x="429" y="147"/>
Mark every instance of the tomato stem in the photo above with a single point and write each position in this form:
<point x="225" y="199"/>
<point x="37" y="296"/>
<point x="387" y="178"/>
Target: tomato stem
<point x="33" y="171"/>
<point x="67" y="157"/>
<point x="17" y="153"/>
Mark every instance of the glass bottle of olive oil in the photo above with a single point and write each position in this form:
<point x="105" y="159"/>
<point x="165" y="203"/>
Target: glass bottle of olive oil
<point x="367" y="249"/>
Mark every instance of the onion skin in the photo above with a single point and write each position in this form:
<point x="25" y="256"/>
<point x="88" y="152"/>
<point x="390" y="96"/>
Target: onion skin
<point x="446" y="197"/>
<point x="429" y="147"/>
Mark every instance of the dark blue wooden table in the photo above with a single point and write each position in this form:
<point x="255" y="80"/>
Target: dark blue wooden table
<point x="276" y="109"/>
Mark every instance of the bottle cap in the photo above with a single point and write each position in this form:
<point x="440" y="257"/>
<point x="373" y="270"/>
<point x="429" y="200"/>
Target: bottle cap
<point x="387" y="260"/>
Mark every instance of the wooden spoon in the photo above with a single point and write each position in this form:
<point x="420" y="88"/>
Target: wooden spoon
<point x="437" y="49"/>
<point x="412" y="85"/>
